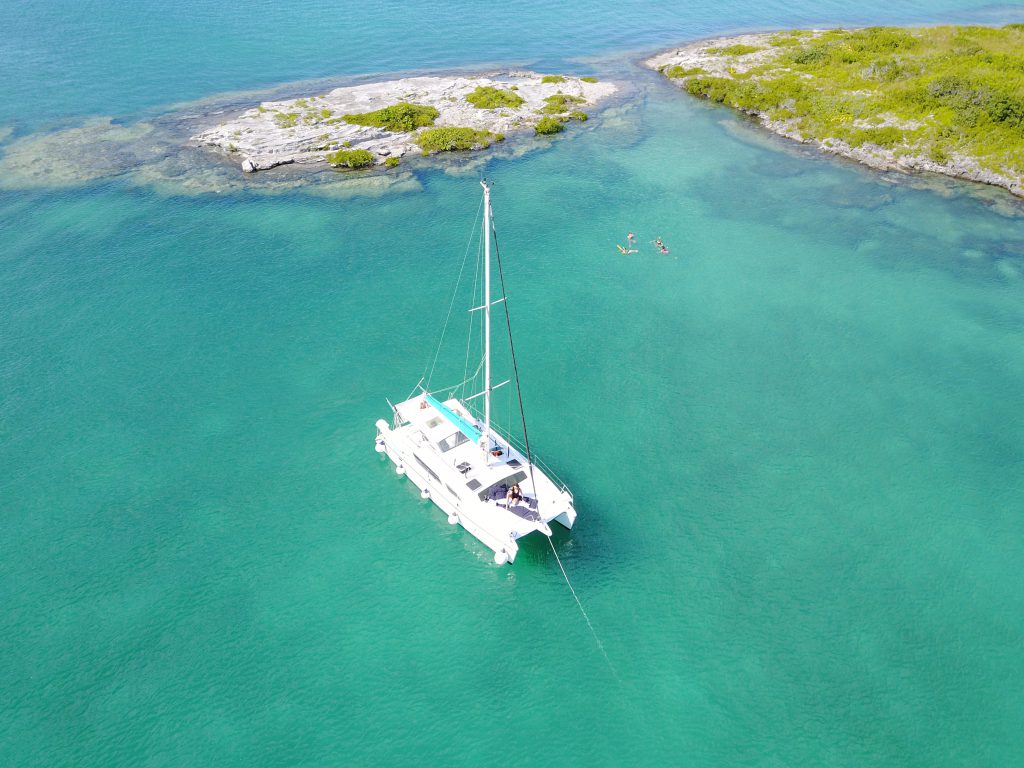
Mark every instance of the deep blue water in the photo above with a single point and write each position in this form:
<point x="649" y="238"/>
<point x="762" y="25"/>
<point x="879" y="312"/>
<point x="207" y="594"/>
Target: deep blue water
<point x="796" y="443"/>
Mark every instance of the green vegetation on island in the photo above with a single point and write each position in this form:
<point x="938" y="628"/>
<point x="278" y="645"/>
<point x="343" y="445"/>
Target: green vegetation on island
<point x="739" y="49"/>
<point x="488" y="97"/>
<point x="560" y="103"/>
<point x="548" y="125"/>
<point x="558" y="110"/>
<point x="351" y="158"/>
<point x="286" y="119"/>
<point x="552" y="79"/>
<point x="942" y="93"/>
<point x="401" y="117"/>
<point x="391" y="162"/>
<point x="454" y="139"/>
<point x="678" y="71"/>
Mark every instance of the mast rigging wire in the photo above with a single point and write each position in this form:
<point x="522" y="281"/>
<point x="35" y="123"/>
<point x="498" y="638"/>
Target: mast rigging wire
<point x="529" y="455"/>
<point x="465" y="256"/>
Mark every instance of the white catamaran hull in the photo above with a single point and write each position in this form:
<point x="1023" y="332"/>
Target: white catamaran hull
<point x="490" y="521"/>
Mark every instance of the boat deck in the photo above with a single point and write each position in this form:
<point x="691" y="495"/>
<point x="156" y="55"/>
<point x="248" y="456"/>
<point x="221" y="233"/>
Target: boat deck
<point x="481" y="472"/>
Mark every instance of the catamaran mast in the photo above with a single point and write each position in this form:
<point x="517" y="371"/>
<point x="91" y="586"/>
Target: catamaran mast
<point x="486" y="440"/>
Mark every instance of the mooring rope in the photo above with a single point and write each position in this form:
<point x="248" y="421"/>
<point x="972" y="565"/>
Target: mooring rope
<point x="575" y="597"/>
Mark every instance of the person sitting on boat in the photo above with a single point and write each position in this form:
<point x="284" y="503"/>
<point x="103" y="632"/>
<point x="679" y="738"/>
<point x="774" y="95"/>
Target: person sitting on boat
<point x="514" y="496"/>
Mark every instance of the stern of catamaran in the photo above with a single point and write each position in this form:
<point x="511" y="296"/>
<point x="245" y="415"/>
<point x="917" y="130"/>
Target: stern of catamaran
<point x="568" y="517"/>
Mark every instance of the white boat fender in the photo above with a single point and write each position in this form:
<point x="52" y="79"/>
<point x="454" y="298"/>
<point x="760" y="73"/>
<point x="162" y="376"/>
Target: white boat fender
<point x="500" y="558"/>
<point x="425" y="493"/>
<point x="453" y="519"/>
<point x="400" y="469"/>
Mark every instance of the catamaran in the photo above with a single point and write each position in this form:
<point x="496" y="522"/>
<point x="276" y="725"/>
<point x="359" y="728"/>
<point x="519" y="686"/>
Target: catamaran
<point x="460" y="460"/>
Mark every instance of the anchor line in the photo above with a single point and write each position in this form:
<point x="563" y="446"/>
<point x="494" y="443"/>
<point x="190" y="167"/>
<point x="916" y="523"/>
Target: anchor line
<point x="600" y="645"/>
<point x="529" y="456"/>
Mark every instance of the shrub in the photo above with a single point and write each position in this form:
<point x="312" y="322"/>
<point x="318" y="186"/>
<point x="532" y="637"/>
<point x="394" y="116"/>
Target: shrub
<point x="351" y="158"/>
<point x="739" y="49"/>
<point x="487" y="97"/>
<point x="1006" y="108"/>
<point x="453" y="139"/>
<point x="779" y="41"/>
<point x="589" y="79"/>
<point x="888" y="137"/>
<point x="391" y="162"/>
<point x="678" y="71"/>
<point x="398" y="118"/>
<point x="286" y="119"/>
<point x="810" y="55"/>
<point x="578" y="115"/>
<point x="560" y="103"/>
<point x="552" y="79"/>
<point x="548" y="125"/>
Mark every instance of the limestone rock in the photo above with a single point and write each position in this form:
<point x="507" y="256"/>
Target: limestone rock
<point x="305" y="130"/>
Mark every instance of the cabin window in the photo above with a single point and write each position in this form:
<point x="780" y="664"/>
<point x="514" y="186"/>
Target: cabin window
<point x="428" y="469"/>
<point x="499" y="489"/>
<point x="451" y="441"/>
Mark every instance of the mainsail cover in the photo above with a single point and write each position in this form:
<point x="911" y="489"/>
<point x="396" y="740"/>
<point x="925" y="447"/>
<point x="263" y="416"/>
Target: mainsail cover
<point x="463" y="426"/>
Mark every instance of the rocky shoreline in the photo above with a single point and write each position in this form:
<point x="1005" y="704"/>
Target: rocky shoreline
<point x="717" y="57"/>
<point x="201" y="147"/>
<point x="307" y="130"/>
<point x="193" y="148"/>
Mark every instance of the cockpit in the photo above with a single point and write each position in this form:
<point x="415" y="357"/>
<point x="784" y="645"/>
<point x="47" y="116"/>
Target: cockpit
<point x="499" y="489"/>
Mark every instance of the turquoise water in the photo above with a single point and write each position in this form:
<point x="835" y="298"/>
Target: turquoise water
<point x="796" y="443"/>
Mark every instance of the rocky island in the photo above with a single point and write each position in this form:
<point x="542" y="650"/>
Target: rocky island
<point x="378" y="123"/>
<point x="944" y="99"/>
